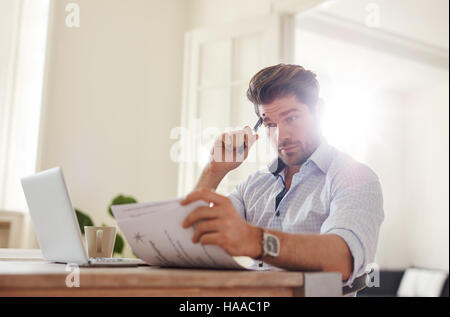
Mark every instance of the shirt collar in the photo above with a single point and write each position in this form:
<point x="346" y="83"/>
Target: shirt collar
<point x="276" y="166"/>
<point x="322" y="157"/>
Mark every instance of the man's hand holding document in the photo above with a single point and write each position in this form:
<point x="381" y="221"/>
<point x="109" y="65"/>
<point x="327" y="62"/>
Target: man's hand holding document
<point x="156" y="234"/>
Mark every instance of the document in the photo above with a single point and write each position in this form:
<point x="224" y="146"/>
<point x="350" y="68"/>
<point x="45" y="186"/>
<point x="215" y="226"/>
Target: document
<point x="154" y="232"/>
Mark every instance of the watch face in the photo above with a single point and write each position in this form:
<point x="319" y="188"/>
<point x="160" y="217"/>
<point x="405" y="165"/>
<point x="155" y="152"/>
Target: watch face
<point x="272" y="245"/>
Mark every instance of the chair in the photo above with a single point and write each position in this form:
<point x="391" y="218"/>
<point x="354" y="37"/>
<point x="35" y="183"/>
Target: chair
<point x="358" y="284"/>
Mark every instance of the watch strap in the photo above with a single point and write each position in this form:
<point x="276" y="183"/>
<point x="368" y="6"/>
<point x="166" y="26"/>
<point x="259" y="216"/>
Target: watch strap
<point x="261" y="241"/>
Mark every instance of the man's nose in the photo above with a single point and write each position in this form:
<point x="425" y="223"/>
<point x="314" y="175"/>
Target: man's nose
<point x="283" y="134"/>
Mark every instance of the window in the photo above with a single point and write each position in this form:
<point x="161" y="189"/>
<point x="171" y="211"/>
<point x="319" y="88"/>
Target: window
<point x="219" y="64"/>
<point x="23" y="36"/>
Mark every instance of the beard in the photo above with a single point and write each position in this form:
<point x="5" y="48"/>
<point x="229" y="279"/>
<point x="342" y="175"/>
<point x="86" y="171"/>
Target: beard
<point x="300" y="155"/>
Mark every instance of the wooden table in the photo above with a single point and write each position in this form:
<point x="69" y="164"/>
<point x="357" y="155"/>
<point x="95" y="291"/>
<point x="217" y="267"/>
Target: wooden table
<point x="25" y="273"/>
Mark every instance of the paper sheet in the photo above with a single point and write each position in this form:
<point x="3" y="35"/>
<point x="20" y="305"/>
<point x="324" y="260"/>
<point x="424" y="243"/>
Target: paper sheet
<point x="155" y="235"/>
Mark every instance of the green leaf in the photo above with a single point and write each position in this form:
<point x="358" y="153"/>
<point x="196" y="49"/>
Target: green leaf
<point x="120" y="200"/>
<point x="83" y="220"/>
<point x="119" y="244"/>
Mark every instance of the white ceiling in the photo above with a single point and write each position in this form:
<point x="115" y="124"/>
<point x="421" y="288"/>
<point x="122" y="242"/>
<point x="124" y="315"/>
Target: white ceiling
<point x="423" y="20"/>
<point x="329" y="56"/>
<point x="334" y="60"/>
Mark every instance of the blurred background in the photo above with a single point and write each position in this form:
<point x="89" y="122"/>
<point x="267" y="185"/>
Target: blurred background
<point x="127" y="96"/>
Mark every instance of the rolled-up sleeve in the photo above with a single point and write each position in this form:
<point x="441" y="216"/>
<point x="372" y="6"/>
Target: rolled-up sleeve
<point x="356" y="214"/>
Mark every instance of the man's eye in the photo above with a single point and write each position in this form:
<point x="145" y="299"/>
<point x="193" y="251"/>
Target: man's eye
<point x="290" y="119"/>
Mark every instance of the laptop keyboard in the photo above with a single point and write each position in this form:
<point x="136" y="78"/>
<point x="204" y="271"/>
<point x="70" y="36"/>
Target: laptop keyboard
<point x="116" y="260"/>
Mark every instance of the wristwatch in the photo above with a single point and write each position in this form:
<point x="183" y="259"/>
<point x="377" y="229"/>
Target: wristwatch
<point x="270" y="245"/>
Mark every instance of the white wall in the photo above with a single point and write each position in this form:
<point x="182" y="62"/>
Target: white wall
<point x="427" y="163"/>
<point x="411" y="156"/>
<point x="203" y="13"/>
<point x="113" y="94"/>
<point x="396" y="111"/>
<point x="425" y="21"/>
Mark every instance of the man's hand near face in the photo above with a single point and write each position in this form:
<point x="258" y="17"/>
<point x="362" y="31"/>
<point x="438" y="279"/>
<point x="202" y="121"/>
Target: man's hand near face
<point x="225" y="156"/>
<point x="221" y="225"/>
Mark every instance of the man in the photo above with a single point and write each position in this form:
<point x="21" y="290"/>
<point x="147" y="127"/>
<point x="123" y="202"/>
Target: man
<point x="314" y="208"/>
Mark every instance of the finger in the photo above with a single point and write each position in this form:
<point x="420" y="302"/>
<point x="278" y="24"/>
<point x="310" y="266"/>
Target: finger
<point x="218" y="150"/>
<point x="214" y="238"/>
<point x="202" y="213"/>
<point x="248" y="130"/>
<point x="227" y="140"/>
<point x="246" y="148"/>
<point x="224" y="137"/>
<point x="241" y="145"/>
<point x="206" y="195"/>
<point x="253" y="138"/>
<point x="228" y="148"/>
<point x="238" y="140"/>
<point x="238" y="135"/>
<point x="205" y="227"/>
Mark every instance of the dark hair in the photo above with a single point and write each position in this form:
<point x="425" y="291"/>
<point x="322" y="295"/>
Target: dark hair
<point x="283" y="80"/>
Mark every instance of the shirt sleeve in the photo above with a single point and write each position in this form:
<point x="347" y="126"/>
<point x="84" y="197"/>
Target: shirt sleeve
<point x="356" y="214"/>
<point x="237" y="198"/>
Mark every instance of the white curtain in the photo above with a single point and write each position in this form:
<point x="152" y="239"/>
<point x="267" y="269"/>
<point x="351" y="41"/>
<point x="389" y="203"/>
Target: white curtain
<point x="23" y="37"/>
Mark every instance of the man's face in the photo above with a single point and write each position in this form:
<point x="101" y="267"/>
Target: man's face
<point x="296" y="128"/>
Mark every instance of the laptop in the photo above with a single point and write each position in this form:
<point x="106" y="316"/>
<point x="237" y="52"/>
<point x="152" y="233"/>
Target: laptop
<point x="55" y="222"/>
